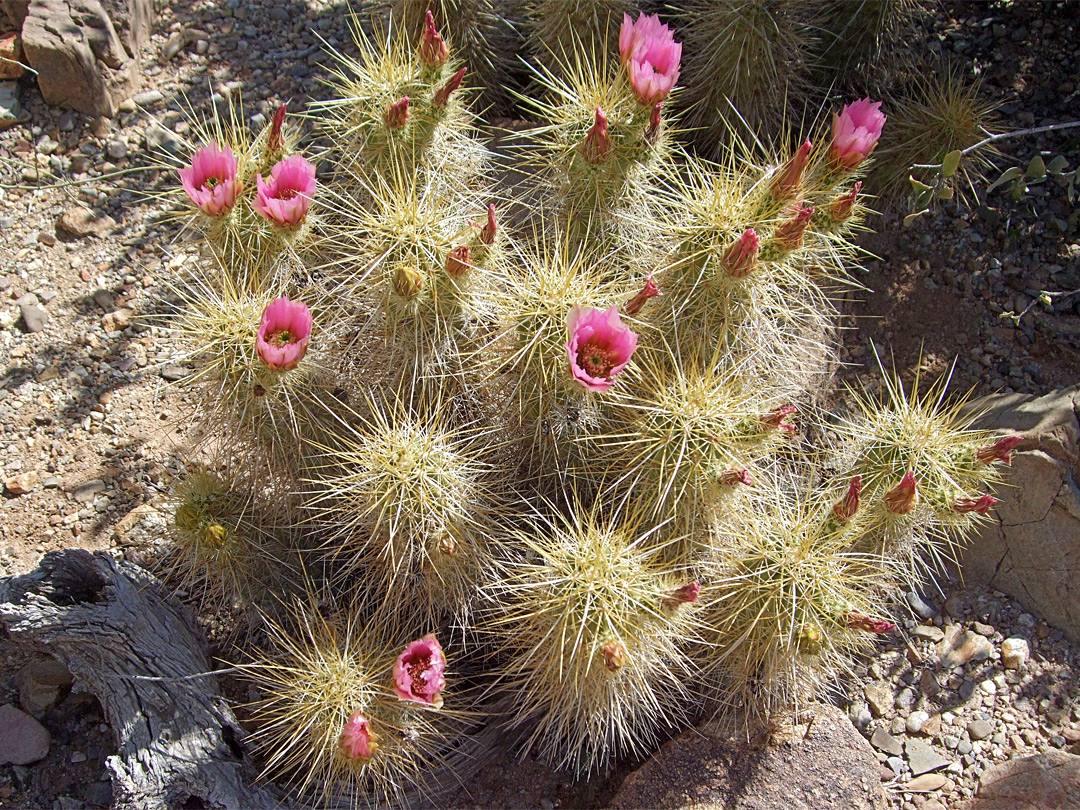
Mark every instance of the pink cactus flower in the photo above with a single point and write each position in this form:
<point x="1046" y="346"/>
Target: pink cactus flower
<point x="599" y="347"/>
<point x="397" y="113"/>
<point x="419" y="672"/>
<point x="730" y="478"/>
<point x="650" y="290"/>
<point x="651" y="55"/>
<point x="981" y="505"/>
<point x="614" y="656"/>
<point x="286" y="198"/>
<point x="459" y="261"/>
<point x="788" y="177"/>
<point x="653" y="130"/>
<point x="904" y="497"/>
<point x="433" y="50"/>
<point x="358" y="741"/>
<point x="597" y="144"/>
<point x="855" y="132"/>
<point x="687" y="594"/>
<point x="789" y="234"/>
<point x="740" y="259"/>
<point x="1001" y="450"/>
<point x="453" y="83"/>
<point x="210" y="181"/>
<point x="845" y="509"/>
<point x="490" y="228"/>
<point x="856" y="621"/>
<point x="841" y="208"/>
<point x="283" y="337"/>
<point x="776" y="417"/>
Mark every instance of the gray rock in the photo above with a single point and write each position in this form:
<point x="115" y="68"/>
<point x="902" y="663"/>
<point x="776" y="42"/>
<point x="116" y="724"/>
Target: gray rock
<point x="927" y="631"/>
<point x="99" y="794"/>
<point x="173" y="373"/>
<point x="980" y="729"/>
<point x="86" y="492"/>
<point x="41" y="683"/>
<point x="963" y="747"/>
<point x="906" y="698"/>
<point x="960" y="646"/>
<point x="922" y="758"/>
<point x="916" y="721"/>
<point x="884" y="741"/>
<point x="147" y="98"/>
<point x="24" y="739"/>
<point x="159" y="138"/>
<point x="34" y="317"/>
<point x="1014" y="652"/>
<point x="879" y="697"/>
<point x="117" y="149"/>
<point x="1050" y="781"/>
<point x="920" y="606"/>
<point x="823" y="764"/>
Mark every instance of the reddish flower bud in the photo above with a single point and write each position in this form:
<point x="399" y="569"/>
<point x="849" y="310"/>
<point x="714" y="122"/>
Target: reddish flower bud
<point x="490" y="228"/>
<point x="982" y="504"/>
<point x="653" y="130"/>
<point x="597" y="144"/>
<point x="407" y="281"/>
<point x="459" y="261"/>
<point x="904" y="497"/>
<point x="275" y="141"/>
<point x="452" y="84"/>
<point x="730" y="478"/>
<point x="614" y="655"/>
<point x="740" y="259"/>
<point x="358" y="741"/>
<point x="775" y="418"/>
<point x="1001" y="450"/>
<point x="846" y="507"/>
<point x="857" y="621"/>
<point x="681" y="596"/>
<point x="398" y="113"/>
<point x="789" y="235"/>
<point x="650" y="290"/>
<point x="433" y="50"/>
<point x="789" y="176"/>
<point x="842" y="206"/>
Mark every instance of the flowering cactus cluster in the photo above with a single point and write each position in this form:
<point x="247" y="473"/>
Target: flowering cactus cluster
<point x="562" y="432"/>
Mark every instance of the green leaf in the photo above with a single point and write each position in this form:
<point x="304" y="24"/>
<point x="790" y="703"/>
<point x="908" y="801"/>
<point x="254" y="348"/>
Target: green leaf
<point x="1018" y="191"/>
<point x="912" y="217"/>
<point x="1010" y="174"/>
<point x="918" y="186"/>
<point x="946" y="193"/>
<point x="1036" y="169"/>
<point x="1057" y="165"/>
<point x="951" y="163"/>
<point x="1044" y="296"/>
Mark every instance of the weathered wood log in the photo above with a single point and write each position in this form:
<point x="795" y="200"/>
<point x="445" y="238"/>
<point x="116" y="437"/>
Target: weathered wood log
<point x="137" y="649"/>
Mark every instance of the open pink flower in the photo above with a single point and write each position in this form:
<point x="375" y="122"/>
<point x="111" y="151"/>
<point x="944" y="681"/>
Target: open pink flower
<point x="740" y="259"/>
<point x="210" y="181"/>
<point x="418" y="672"/>
<point x="286" y="198"/>
<point x="904" y="497"/>
<point x="855" y="132"/>
<point x="846" y="507"/>
<point x="600" y="346"/>
<point x="283" y="336"/>
<point x="358" y="741"/>
<point x="651" y="56"/>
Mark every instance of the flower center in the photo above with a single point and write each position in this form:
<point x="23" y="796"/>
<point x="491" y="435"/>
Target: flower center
<point x="287" y="193"/>
<point x="417" y="667"/>
<point x="210" y="182"/>
<point x="597" y="361"/>
<point x="283" y="337"/>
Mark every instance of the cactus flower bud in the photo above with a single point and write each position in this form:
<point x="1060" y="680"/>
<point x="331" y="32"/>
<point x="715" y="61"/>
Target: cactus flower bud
<point x="614" y="655"/>
<point x="904" y="497"/>
<point x="845" y="508"/>
<point x="1001" y="450"/>
<point x="419" y="672"/>
<point x="855" y="133"/>
<point x="809" y="639"/>
<point x="730" y="478"/>
<point x="981" y="505"/>
<point x="459" y="261"/>
<point x="452" y="84"/>
<point x="275" y="141"/>
<point x="358" y="741"/>
<point x="433" y="50"/>
<point x="653" y="130"/>
<point x="490" y="228"/>
<point x="740" y="259"/>
<point x="841" y="208"/>
<point x="407" y="281"/>
<point x="856" y="621"/>
<point x="597" y="144"/>
<point x="775" y="418"/>
<point x="788" y="177"/>
<point x="650" y="290"/>
<point x="789" y="235"/>
<point x="397" y="114"/>
<point x="680" y="596"/>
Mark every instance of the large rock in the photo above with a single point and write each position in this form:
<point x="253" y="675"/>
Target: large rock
<point x="826" y="763"/>
<point x="1031" y="550"/>
<point x="85" y="52"/>
<point x="1049" y="781"/>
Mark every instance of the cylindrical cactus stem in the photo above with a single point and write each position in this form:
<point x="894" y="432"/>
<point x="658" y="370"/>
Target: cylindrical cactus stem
<point x="562" y="31"/>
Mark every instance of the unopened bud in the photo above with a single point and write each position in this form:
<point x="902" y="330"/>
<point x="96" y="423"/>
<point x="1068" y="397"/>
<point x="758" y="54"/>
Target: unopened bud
<point x="688" y="593"/>
<point x="856" y="621"/>
<point x="452" y="84"/>
<point x="1001" y="450"/>
<point x="459" y="261"/>
<point x="740" y="259"/>
<point x="490" y="228"/>
<point x="841" y="208"/>
<point x="650" y="290"/>
<point x="980" y="505"/>
<point x="809" y="639"/>
<point x="789" y="235"/>
<point x="597" y="144"/>
<point x="775" y="418"/>
<point x="653" y="130"/>
<point x="846" y="507"/>
<point x="275" y="141"/>
<point x="614" y="655"/>
<point x="789" y="176"/>
<point x="904" y="497"/>
<point x="407" y="281"/>
<point x="398" y="113"/>
<point x="433" y="50"/>
<point x="730" y="478"/>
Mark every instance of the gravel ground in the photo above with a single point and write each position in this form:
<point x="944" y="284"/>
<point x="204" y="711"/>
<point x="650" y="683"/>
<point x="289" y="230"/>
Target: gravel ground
<point x="93" y="431"/>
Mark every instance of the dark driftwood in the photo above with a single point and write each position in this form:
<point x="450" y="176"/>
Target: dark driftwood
<point x="136" y="648"/>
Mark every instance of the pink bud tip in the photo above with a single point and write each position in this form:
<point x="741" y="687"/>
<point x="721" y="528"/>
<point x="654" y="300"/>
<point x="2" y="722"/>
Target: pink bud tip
<point x="358" y="741"/>
<point x="653" y="130"/>
<point x="650" y="55"/>
<point x="857" y="621"/>
<point x="286" y="198"/>
<point x="855" y="133"/>
<point x="491" y="228"/>
<point x="775" y="418"/>
<point x="740" y="259"/>
<point x="600" y="346"/>
<point x="433" y="50"/>
<point x="283" y="336"/>
<point x="398" y="113"/>
<point x="685" y="594"/>
<point x="452" y="84"/>
<point x="614" y="655"/>
<point x="650" y="290"/>
<point x="789" y="176"/>
<point x="275" y="143"/>
<point x="419" y="672"/>
<point x="981" y="505"/>
<point x="789" y="235"/>
<point x="1001" y="450"/>
<point x="842" y="206"/>
<point x="846" y="507"/>
<point x="459" y="261"/>
<point x="597" y="144"/>
<point x="732" y="477"/>
<point x="904" y="497"/>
